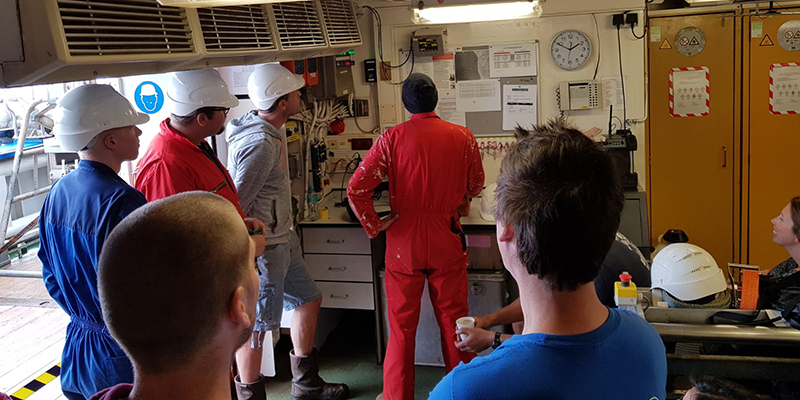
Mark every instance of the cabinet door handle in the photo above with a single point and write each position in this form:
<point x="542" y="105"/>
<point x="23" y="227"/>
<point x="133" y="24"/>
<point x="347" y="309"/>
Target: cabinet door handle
<point x="340" y="296"/>
<point x="724" y="157"/>
<point x="337" y="268"/>
<point x="335" y="241"/>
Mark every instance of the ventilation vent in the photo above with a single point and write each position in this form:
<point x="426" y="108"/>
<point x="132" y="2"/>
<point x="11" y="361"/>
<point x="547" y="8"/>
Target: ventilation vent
<point x="340" y="22"/>
<point x="236" y="28"/>
<point x="298" y="24"/>
<point x="112" y="27"/>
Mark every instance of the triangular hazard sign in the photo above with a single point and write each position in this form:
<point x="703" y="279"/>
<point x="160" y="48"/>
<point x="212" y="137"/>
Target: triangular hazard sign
<point x="767" y="41"/>
<point x="665" y="45"/>
<point x="797" y="35"/>
<point x="694" y="42"/>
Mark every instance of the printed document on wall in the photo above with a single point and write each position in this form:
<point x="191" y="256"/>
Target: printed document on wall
<point x="444" y="71"/>
<point x="512" y="60"/>
<point x="612" y="92"/>
<point x="519" y="106"/>
<point x="784" y="88"/>
<point x="446" y="108"/>
<point x="690" y="91"/>
<point x="474" y="96"/>
<point x="472" y="65"/>
<point x="236" y="77"/>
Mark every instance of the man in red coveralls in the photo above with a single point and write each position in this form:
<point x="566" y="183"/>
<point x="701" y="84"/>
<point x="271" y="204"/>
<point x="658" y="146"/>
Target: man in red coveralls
<point x="179" y="159"/>
<point x="432" y="165"/>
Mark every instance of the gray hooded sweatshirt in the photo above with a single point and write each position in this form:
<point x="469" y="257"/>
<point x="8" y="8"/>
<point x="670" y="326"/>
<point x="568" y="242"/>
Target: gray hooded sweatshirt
<point x="257" y="163"/>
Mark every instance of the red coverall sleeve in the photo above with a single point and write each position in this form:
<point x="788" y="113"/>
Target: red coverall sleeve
<point x="159" y="181"/>
<point x="362" y="184"/>
<point x="475" y="176"/>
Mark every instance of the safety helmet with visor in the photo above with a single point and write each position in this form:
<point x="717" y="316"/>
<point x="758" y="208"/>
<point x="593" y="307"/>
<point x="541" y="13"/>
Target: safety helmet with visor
<point x="687" y="272"/>
<point x="89" y="110"/>
<point x="190" y="91"/>
<point x="269" y="82"/>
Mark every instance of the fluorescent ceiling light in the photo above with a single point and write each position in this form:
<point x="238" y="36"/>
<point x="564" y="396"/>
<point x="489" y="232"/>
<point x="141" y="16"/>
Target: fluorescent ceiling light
<point x="215" y="3"/>
<point x="477" y="12"/>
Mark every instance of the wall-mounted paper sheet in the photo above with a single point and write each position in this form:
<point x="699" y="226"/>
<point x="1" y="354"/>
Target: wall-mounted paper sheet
<point x="519" y="106"/>
<point x="444" y="71"/>
<point x="612" y="92"/>
<point x="482" y="95"/>
<point x="472" y="65"/>
<point x="512" y="60"/>
<point x="446" y="108"/>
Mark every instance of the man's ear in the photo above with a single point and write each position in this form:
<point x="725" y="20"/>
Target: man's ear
<point x="202" y="119"/>
<point x="237" y="309"/>
<point x="506" y="233"/>
<point x="109" y="141"/>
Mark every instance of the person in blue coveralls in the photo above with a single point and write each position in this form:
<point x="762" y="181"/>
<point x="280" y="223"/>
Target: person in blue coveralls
<point x="559" y="201"/>
<point x="78" y="214"/>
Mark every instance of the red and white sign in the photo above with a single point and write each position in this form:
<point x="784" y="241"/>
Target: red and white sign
<point x="784" y="88"/>
<point x="689" y="92"/>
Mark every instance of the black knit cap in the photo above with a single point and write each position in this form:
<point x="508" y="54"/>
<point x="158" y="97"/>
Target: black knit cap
<point x="419" y="94"/>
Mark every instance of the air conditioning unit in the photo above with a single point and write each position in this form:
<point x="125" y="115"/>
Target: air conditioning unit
<point x="66" y="40"/>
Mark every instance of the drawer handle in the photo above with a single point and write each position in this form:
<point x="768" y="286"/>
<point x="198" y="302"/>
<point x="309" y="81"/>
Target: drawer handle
<point x="339" y="296"/>
<point x="337" y="268"/>
<point x="335" y="241"/>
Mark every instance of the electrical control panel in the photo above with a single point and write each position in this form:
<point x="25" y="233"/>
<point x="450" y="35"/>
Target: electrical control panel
<point x="428" y="45"/>
<point x="336" y="77"/>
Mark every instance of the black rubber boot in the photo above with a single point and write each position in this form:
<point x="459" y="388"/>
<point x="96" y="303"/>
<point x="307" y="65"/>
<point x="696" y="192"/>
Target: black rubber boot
<point x="307" y="384"/>
<point x="251" y="391"/>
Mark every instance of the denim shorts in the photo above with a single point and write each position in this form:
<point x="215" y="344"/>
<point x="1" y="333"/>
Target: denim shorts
<point x="284" y="278"/>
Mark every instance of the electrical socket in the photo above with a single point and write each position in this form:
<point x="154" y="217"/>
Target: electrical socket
<point x="631" y="19"/>
<point x="618" y="20"/>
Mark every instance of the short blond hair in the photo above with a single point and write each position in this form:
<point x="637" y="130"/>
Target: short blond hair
<point x="167" y="274"/>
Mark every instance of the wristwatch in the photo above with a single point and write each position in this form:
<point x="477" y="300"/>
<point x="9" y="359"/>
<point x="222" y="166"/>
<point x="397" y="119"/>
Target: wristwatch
<point x="496" y="342"/>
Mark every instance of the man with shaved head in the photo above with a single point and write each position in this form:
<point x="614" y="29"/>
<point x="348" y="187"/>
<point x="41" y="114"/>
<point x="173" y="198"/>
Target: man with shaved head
<point x="178" y="289"/>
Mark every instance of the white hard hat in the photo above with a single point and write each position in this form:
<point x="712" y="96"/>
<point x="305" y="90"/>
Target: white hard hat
<point x="488" y="202"/>
<point x="269" y="82"/>
<point x="89" y="110"/>
<point x="686" y="272"/>
<point x="148" y="90"/>
<point x="192" y="90"/>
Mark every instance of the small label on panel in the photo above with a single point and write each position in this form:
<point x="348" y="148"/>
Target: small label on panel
<point x="767" y="41"/>
<point x="756" y="29"/>
<point x="784" y="88"/>
<point x="655" y="34"/>
<point x="665" y="45"/>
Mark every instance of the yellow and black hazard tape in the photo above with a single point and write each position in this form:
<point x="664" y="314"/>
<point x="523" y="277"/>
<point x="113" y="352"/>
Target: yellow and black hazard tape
<point x="38" y="383"/>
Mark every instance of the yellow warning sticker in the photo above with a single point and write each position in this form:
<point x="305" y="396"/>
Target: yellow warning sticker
<point x="797" y="35"/>
<point x="767" y="41"/>
<point x="665" y="45"/>
<point x="694" y="41"/>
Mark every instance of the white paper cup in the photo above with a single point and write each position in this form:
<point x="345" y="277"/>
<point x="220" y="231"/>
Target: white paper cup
<point x="465" y="322"/>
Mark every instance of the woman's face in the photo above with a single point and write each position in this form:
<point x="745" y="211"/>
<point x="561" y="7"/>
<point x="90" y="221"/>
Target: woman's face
<point x="783" y="228"/>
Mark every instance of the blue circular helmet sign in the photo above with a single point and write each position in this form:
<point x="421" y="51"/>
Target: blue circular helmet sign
<point x="149" y="97"/>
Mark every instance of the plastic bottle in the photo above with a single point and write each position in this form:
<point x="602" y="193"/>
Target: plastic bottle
<point x="313" y="213"/>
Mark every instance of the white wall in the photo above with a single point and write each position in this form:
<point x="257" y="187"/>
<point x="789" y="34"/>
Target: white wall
<point x="397" y="27"/>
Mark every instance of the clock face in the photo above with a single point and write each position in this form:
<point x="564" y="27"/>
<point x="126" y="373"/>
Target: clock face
<point x="570" y="49"/>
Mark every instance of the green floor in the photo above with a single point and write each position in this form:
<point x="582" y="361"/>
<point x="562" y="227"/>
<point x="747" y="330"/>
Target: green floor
<point x="348" y="356"/>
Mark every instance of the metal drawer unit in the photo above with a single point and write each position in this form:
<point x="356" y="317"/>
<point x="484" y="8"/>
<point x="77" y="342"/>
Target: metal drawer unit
<point x="339" y="259"/>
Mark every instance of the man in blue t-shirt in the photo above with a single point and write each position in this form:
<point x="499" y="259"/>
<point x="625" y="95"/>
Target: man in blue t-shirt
<point x="559" y="201"/>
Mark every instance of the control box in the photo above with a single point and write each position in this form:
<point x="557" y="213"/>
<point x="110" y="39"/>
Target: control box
<point x="336" y="77"/>
<point x="428" y="45"/>
<point x="370" y="71"/>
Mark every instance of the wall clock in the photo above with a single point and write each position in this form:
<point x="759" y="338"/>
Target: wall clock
<point x="570" y="49"/>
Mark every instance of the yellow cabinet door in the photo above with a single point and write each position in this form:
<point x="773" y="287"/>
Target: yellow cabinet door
<point x="691" y="171"/>
<point x="772" y="136"/>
